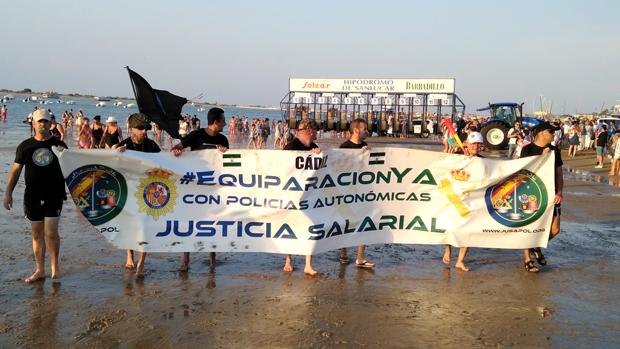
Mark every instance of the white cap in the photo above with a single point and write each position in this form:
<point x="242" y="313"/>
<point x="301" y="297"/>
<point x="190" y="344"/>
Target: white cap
<point x="110" y="119"/>
<point x="474" y="137"/>
<point x="40" y="114"/>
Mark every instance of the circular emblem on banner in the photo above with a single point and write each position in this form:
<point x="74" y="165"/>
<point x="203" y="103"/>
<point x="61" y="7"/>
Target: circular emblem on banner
<point x="518" y="200"/>
<point x="100" y="192"/>
<point x="42" y="157"/>
<point x="156" y="194"/>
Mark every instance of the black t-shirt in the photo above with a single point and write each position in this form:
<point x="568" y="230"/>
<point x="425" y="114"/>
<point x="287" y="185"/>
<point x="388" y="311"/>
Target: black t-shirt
<point x="601" y="141"/>
<point x="43" y="175"/>
<point x="350" y="145"/>
<point x="147" y="145"/>
<point x="296" y="144"/>
<point x="199" y="139"/>
<point x="532" y="149"/>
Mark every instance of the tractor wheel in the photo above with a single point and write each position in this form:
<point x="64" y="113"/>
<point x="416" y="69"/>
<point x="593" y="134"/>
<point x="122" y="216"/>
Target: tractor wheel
<point x="495" y="135"/>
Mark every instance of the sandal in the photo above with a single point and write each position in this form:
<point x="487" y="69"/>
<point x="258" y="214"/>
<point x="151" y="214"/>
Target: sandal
<point x="364" y="264"/>
<point x="540" y="258"/>
<point x="530" y="267"/>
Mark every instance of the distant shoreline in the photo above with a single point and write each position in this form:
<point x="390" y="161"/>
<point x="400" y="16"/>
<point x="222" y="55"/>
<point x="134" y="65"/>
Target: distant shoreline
<point x="70" y="96"/>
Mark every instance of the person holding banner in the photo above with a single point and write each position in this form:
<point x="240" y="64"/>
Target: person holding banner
<point x="304" y="140"/>
<point x="359" y="132"/>
<point x="543" y="135"/>
<point x="204" y="138"/>
<point x="138" y="125"/>
<point x="44" y="193"/>
<point x="474" y="143"/>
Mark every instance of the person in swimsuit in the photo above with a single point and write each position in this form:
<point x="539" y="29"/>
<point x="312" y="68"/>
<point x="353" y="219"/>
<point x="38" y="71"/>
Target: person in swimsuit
<point x="56" y="129"/>
<point x="85" y="135"/>
<point x="97" y="129"/>
<point x="111" y="133"/>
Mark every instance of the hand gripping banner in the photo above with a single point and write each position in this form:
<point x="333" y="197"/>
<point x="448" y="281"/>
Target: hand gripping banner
<point x="300" y="203"/>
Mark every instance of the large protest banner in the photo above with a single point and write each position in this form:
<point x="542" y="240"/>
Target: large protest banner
<point x="299" y="203"/>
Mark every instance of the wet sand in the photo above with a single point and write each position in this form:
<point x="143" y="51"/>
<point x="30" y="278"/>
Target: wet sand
<point x="410" y="300"/>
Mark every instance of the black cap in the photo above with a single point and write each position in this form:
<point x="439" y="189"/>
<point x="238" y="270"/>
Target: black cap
<point x="215" y="114"/>
<point x="542" y="127"/>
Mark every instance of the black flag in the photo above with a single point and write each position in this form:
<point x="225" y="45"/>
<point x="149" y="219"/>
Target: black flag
<point x="162" y="107"/>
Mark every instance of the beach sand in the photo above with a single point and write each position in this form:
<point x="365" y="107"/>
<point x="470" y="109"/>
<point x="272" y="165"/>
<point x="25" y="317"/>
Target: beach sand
<point x="410" y="300"/>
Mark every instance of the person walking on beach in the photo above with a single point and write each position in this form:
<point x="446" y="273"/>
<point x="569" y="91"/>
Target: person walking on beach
<point x="359" y="132"/>
<point x="29" y="120"/>
<point x="304" y="141"/>
<point x="85" y="134"/>
<point x="112" y="134"/>
<point x="543" y="135"/>
<point x="473" y="145"/>
<point x="97" y="131"/>
<point x="204" y="138"/>
<point x="44" y="193"/>
<point x="137" y="141"/>
<point x="601" y="143"/>
<point x="573" y="139"/>
<point x="515" y="134"/>
<point x="56" y="130"/>
<point x="4" y="111"/>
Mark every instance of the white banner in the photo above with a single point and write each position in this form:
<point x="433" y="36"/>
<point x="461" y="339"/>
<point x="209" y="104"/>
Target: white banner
<point x="372" y="85"/>
<point x="295" y="202"/>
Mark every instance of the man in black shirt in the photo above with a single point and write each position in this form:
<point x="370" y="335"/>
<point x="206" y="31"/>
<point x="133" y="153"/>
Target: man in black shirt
<point x="601" y="142"/>
<point x="204" y="138"/>
<point x="543" y="135"/>
<point x="359" y="131"/>
<point x="138" y="125"/>
<point x="304" y="140"/>
<point x="195" y="123"/>
<point x="44" y="193"/>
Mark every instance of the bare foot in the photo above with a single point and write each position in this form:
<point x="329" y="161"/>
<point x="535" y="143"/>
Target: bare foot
<point x="310" y="271"/>
<point x="288" y="264"/>
<point x="462" y="266"/>
<point x="36" y="276"/>
<point x="446" y="256"/>
<point x="130" y="266"/>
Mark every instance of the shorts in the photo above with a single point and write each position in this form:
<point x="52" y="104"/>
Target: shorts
<point x="600" y="151"/>
<point x="557" y="210"/>
<point x="37" y="209"/>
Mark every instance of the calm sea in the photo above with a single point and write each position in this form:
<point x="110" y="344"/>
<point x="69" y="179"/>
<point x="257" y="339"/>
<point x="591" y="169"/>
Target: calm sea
<point x="14" y="130"/>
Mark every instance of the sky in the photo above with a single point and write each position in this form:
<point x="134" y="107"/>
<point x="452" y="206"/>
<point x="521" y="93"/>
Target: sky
<point x="243" y="52"/>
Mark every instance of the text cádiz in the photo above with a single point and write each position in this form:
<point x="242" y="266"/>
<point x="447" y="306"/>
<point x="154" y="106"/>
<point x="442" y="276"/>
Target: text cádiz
<point x="284" y="231"/>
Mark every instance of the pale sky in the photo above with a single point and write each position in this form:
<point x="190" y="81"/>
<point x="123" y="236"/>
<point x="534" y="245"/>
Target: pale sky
<point x="243" y="52"/>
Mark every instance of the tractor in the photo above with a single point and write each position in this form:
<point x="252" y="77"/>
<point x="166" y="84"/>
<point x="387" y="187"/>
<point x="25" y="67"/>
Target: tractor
<point x="503" y="117"/>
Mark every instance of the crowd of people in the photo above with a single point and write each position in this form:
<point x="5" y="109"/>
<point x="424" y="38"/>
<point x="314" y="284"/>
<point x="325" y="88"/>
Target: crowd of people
<point x="43" y="207"/>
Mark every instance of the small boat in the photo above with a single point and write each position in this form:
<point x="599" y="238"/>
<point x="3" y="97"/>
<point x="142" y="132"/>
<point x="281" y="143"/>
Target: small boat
<point x="71" y="102"/>
<point x="101" y="99"/>
<point x="200" y="109"/>
<point x="8" y="97"/>
<point x="26" y="100"/>
<point x="53" y="95"/>
<point x="118" y="103"/>
<point x="101" y="104"/>
<point x="34" y="98"/>
<point x="130" y="105"/>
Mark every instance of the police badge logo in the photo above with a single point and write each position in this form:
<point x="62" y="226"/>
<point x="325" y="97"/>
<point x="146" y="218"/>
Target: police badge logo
<point x="156" y="194"/>
<point x="100" y="192"/>
<point x="518" y="200"/>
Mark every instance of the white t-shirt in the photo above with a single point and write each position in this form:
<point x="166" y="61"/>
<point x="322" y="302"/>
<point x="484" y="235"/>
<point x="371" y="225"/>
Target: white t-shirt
<point x="513" y="140"/>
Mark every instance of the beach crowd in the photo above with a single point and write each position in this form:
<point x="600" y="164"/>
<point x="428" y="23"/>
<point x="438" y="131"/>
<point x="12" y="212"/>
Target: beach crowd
<point x="45" y="188"/>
